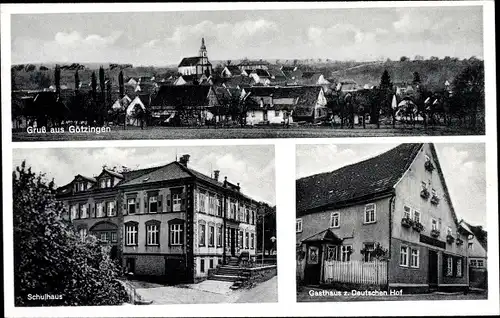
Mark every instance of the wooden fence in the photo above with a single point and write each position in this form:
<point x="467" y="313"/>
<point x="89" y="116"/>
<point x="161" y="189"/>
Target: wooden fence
<point x="356" y="272"/>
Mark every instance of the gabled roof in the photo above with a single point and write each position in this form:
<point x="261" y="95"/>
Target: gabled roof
<point x="190" y="61"/>
<point x="91" y="179"/>
<point x="235" y="70"/>
<point x="262" y="73"/>
<point x="377" y="175"/>
<point x="171" y="171"/>
<point x="181" y="95"/>
<point x="111" y="172"/>
<point x="324" y="236"/>
<point x="479" y="234"/>
<point x="304" y="95"/>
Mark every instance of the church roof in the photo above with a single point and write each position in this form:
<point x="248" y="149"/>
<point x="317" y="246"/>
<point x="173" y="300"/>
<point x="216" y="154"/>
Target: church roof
<point x="190" y="61"/>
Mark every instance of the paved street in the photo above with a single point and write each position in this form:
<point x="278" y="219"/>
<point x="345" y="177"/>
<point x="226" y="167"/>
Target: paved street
<point x="117" y="133"/>
<point x="209" y="292"/>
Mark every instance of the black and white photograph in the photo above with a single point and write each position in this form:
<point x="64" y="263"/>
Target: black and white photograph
<point x="248" y="74"/>
<point x="167" y="225"/>
<point x="391" y="222"/>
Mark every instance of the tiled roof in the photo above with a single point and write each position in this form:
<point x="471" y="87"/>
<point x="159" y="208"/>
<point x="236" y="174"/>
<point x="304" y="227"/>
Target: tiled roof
<point x="372" y="176"/>
<point x="261" y="72"/>
<point x="181" y="95"/>
<point x="190" y="61"/>
<point x="171" y="171"/>
<point x="305" y="95"/>
<point x="324" y="236"/>
<point x="235" y="70"/>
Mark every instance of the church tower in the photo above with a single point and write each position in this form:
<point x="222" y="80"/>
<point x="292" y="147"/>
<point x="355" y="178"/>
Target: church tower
<point x="206" y="67"/>
<point x="203" y="50"/>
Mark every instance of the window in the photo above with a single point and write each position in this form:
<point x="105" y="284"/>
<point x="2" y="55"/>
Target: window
<point x="202" y="203"/>
<point x="211" y="264"/>
<point x="83" y="234"/>
<point x="449" y="266"/>
<point x="114" y="237"/>
<point x="211" y="235"/>
<point x="459" y="267"/>
<point x="176" y="199"/>
<point x="104" y="237"/>
<point x="106" y="183"/>
<point x="434" y="224"/>
<point x="232" y="214"/>
<point x="480" y="263"/>
<point x="99" y="210"/>
<point x="415" y="258"/>
<point x="152" y="234"/>
<point x="240" y="240"/>
<point x="335" y="219"/>
<point x="110" y="208"/>
<point x="74" y="211"/>
<point x="370" y="213"/>
<point x="131" y="233"/>
<point x="449" y="231"/>
<point x="403" y="256"/>
<point x="202" y="266"/>
<point x="176" y="235"/>
<point x="252" y="241"/>
<point x="247" y="215"/>
<point x="368" y="255"/>
<point x="219" y="235"/>
<point x="424" y="185"/>
<point x="211" y="204"/>
<point x="416" y="216"/>
<point x="406" y="212"/>
<point x="153" y="204"/>
<point x="201" y="234"/>
<point x="247" y="240"/>
<point x="473" y="263"/>
<point x="83" y="207"/>
<point x="298" y="225"/>
<point x="345" y="252"/>
<point x="131" y="206"/>
<point x="218" y="206"/>
<point x="469" y="245"/>
<point x="276" y="113"/>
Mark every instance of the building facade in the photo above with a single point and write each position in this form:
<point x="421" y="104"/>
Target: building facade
<point x="196" y="65"/>
<point x="394" y="207"/>
<point x="169" y="223"/>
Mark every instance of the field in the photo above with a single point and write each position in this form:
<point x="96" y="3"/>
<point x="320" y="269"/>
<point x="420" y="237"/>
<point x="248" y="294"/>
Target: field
<point x="118" y="133"/>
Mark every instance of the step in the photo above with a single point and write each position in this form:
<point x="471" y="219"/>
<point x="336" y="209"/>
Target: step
<point x="227" y="278"/>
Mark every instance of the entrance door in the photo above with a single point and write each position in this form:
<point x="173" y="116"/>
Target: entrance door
<point x="312" y="272"/>
<point x="233" y="241"/>
<point x="433" y="268"/>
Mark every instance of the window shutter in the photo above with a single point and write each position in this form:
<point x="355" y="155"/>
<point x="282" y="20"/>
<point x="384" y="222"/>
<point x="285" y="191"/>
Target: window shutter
<point x="169" y="202"/>
<point x="160" y="198"/>
<point x="93" y="211"/>
<point x="137" y="206"/>
<point x="89" y="207"/>
<point x="124" y="208"/>
<point x="146" y="201"/>
<point x="183" y="201"/>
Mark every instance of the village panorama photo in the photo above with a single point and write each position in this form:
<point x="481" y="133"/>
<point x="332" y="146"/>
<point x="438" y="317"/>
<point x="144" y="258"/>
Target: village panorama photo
<point x="333" y="72"/>
<point x="168" y="225"/>
<point x="378" y="222"/>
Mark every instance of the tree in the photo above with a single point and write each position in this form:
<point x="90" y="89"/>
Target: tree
<point x="50" y="257"/>
<point x="57" y="79"/>
<point x="385" y="94"/>
<point x="404" y="59"/>
<point x="416" y="78"/>
<point x="469" y="91"/>
<point x="77" y="80"/>
<point x="121" y="84"/>
<point x="102" y="98"/>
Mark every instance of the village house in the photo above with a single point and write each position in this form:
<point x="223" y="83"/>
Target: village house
<point x="478" y="256"/>
<point x="168" y="223"/>
<point x="390" y="215"/>
<point x="284" y="104"/>
<point x="196" y="65"/>
<point x="230" y="71"/>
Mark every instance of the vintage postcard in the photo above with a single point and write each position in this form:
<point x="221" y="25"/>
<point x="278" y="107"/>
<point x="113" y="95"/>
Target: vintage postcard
<point x="131" y="226"/>
<point x="405" y="222"/>
<point x="248" y="74"/>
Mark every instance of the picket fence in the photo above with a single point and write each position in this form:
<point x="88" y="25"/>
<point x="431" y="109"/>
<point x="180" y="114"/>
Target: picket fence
<point x="356" y="272"/>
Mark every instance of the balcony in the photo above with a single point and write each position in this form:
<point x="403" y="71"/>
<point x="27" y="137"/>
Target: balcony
<point x="417" y="226"/>
<point x="429" y="166"/>
<point x="435" y="233"/>
<point x="450" y="239"/>
<point x="425" y="194"/>
<point x="407" y="222"/>
<point x="435" y="199"/>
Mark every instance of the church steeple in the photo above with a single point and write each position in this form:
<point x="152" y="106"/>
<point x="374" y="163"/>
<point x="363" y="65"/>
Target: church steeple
<point x="203" y="48"/>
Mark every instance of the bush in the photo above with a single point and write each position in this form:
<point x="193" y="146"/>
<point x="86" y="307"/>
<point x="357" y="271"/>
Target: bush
<point x="49" y="256"/>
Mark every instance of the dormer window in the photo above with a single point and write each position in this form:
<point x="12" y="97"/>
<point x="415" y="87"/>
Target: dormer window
<point x="105" y="183"/>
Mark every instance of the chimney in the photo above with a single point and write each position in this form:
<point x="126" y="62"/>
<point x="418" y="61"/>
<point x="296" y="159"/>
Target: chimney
<point x="216" y="175"/>
<point x="184" y="160"/>
<point x="238" y="186"/>
<point x="225" y="181"/>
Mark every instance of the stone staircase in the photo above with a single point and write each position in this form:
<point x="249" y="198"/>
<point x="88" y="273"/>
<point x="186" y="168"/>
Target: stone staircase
<point x="231" y="272"/>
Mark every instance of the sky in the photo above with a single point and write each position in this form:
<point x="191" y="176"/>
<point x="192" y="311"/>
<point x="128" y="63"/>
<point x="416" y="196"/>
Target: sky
<point x="251" y="166"/>
<point x="463" y="168"/>
<point x="163" y="38"/>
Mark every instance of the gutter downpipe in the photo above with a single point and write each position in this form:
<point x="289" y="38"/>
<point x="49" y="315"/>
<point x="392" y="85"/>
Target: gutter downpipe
<point x="391" y="210"/>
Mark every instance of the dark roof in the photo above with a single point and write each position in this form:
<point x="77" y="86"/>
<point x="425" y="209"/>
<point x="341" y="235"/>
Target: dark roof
<point x="190" y="61"/>
<point x="171" y="171"/>
<point x="235" y="70"/>
<point x="306" y="95"/>
<point x="480" y="234"/>
<point x="144" y="99"/>
<point x="324" y="236"/>
<point x="376" y="175"/>
<point x="181" y="95"/>
<point x="261" y="72"/>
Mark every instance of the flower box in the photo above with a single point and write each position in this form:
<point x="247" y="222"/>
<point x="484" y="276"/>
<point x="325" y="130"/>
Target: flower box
<point x="425" y="194"/>
<point x="435" y="200"/>
<point x="450" y="239"/>
<point x="435" y="233"/>
<point x="406" y="222"/>
<point x="417" y="226"/>
<point x="460" y="241"/>
<point x="429" y="166"/>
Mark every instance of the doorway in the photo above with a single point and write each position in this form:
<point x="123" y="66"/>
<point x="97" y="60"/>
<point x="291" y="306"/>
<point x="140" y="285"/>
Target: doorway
<point x="233" y="241"/>
<point x="312" y="272"/>
<point x="433" y="269"/>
